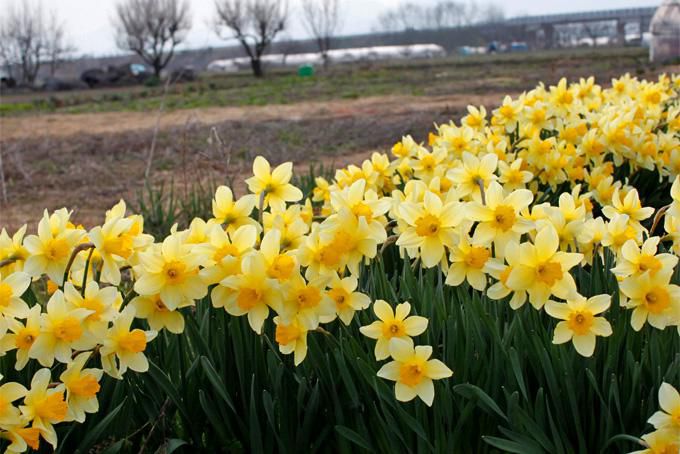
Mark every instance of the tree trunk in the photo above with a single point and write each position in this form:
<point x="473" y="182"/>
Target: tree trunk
<point x="256" y="64"/>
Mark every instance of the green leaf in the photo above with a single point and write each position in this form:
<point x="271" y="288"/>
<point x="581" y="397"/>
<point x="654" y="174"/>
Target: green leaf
<point x="94" y="434"/>
<point x="352" y="436"/>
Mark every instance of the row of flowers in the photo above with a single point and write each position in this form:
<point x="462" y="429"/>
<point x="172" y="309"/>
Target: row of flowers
<point x="474" y="203"/>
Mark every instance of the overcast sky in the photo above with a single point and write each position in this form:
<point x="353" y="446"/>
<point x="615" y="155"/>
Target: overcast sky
<point x="88" y="22"/>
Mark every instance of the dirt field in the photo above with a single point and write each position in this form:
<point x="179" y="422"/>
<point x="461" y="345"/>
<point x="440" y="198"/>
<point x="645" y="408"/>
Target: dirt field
<point x="89" y="160"/>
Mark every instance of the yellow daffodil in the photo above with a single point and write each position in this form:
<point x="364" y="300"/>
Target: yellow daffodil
<point x="653" y="299"/>
<point x="250" y="292"/>
<point x="431" y="226"/>
<point x="82" y="386"/>
<point x="50" y="250"/>
<point x="660" y="442"/>
<point x="475" y="174"/>
<point x="580" y="324"/>
<point x="157" y="314"/>
<point x="123" y="347"/>
<point x="171" y="269"/>
<point x="669" y="415"/>
<point x="232" y="213"/>
<point x="392" y="325"/>
<point x="292" y="338"/>
<point x="45" y="406"/>
<point x="280" y="265"/>
<point x="224" y="252"/>
<point x="62" y="330"/>
<point x="499" y="218"/>
<point x="101" y="302"/>
<point x="274" y="185"/>
<point x="12" y="287"/>
<point x="634" y="260"/>
<point x="347" y="300"/>
<point x="10" y="392"/>
<point x="469" y="261"/>
<point x="543" y="269"/>
<point x="23" y="336"/>
<point x="413" y="370"/>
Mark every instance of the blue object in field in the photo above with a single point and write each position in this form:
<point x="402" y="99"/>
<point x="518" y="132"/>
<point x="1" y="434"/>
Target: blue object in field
<point x="518" y="47"/>
<point x="306" y="71"/>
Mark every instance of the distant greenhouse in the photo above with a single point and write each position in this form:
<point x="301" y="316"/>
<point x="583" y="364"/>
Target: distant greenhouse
<point x="375" y="53"/>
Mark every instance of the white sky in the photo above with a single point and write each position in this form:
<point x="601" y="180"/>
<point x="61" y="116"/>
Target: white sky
<point x="88" y="22"/>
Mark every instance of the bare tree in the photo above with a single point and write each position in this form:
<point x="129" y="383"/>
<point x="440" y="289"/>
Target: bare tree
<point x="22" y="40"/>
<point x="57" y="46"/>
<point x="322" y="20"/>
<point x="254" y="23"/>
<point x="152" y="29"/>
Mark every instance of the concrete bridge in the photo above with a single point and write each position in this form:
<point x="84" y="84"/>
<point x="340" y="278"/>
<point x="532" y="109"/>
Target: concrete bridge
<point x="543" y="27"/>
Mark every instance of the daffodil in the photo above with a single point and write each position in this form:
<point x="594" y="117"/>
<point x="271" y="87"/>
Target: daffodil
<point x="634" y="260"/>
<point x="157" y="314"/>
<point x="392" y="324"/>
<point x="82" y="386"/>
<point x="233" y="213"/>
<point x="669" y="415"/>
<point x="653" y="299"/>
<point x="499" y="217"/>
<point x="224" y="252"/>
<point x="101" y="301"/>
<point x="629" y="205"/>
<point x="61" y="332"/>
<point x="280" y="265"/>
<point x="431" y="226"/>
<point x="501" y="271"/>
<point x="12" y="287"/>
<point x="347" y="299"/>
<point x="660" y="442"/>
<point x="171" y="269"/>
<point x="13" y="249"/>
<point x="249" y="293"/>
<point x="579" y="322"/>
<point x="413" y="371"/>
<point x="292" y="338"/>
<point x="10" y="392"/>
<point x="469" y="261"/>
<point x="50" y="250"/>
<point x="307" y="302"/>
<point x="274" y="185"/>
<point x="123" y="348"/>
<point x="475" y="175"/>
<point x="113" y="247"/>
<point x="23" y="336"/>
<point x="45" y="406"/>
<point x="543" y="270"/>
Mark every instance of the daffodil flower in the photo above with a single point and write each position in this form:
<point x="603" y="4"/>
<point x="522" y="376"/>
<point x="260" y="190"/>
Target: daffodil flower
<point x="125" y="346"/>
<point x="653" y="299"/>
<point x="171" y="269"/>
<point x="413" y="371"/>
<point x="233" y="213"/>
<point x="580" y="324"/>
<point x="82" y="386"/>
<point x="392" y="325"/>
<point x="274" y="185"/>
<point x="431" y="226"/>
<point x="45" y="406"/>
<point x="157" y="314"/>
<point x="292" y="338"/>
<point x="669" y="416"/>
<point x="543" y="270"/>
<point x="12" y="287"/>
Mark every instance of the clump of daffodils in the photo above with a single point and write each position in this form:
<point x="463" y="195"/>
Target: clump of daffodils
<point x="509" y="203"/>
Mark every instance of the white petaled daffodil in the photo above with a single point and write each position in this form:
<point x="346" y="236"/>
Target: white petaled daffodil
<point x="579" y="321"/>
<point x="413" y="371"/>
